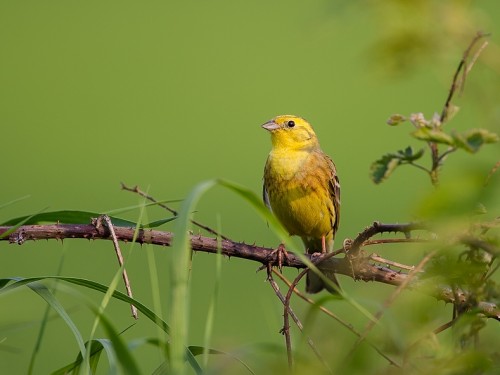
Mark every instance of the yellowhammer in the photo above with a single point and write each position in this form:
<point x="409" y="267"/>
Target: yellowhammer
<point x="301" y="188"/>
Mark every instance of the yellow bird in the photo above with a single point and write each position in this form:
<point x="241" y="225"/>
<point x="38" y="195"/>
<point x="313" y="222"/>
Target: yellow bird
<point x="302" y="189"/>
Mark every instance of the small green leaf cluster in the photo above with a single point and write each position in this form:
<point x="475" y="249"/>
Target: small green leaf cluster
<point x="470" y="140"/>
<point x="383" y="167"/>
<point x="430" y="131"/>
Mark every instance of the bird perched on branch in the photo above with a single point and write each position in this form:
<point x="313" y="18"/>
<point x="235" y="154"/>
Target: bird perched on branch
<point x="302" y="189"/>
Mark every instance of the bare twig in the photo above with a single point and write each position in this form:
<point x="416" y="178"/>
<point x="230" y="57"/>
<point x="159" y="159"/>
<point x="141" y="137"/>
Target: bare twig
<point x="379" y="259"/>
<point x="445" y="154"/>
<point x="334" y="316"/>
<point x="286" y="323"/>
<point x="143" y="194"/>
<point x="459" y="83"/>
<point x="444" y="327"/>
<point x="286" y="329"/>
<point x="310" y="301"/>
<point x="109" y="225"/>
<point x="394" y="240"/>
<point x="421" y="167"/>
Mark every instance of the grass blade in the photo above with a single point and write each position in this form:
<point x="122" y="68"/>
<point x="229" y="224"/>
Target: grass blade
<point x="43" y="323"/>
<point x="10" y="203"/>
<point x="95" y="348"/>
<point x="213" y="301"/>
<point x="16" y="223"/>
<point x="47" y="295"/>
<point x="179" y="259"/>
<point x="7" y="284"/>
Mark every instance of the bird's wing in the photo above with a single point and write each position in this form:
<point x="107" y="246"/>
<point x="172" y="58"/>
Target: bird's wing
<point x="334" y="190"/>
<point x="265" y="194"/>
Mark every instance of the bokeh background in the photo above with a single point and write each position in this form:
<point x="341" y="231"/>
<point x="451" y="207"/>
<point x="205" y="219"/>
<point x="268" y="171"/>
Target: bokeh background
<point x="166" y="94"/>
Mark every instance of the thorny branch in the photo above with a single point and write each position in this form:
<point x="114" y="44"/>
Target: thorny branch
<point x="355" y="264"/>
<point x="377" y="228"/>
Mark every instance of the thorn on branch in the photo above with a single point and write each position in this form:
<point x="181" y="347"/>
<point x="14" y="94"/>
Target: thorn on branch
<point x="359" y="268"/>
<point x="377" y="228"/>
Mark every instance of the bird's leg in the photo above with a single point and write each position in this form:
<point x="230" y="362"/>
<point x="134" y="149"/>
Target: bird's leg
<point x="277" y="256"/>
<point x="323" y="244"/>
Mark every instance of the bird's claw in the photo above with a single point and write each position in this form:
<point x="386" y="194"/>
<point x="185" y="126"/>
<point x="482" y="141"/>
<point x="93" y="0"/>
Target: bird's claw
<point x="278" y="256"/>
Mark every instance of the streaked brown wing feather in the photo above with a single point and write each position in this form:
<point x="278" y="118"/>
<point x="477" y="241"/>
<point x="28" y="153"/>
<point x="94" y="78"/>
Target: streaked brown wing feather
<point x="265" y="194"/>
<point x="334" y="190"/>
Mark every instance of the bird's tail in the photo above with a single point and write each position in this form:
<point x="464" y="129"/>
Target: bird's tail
<point x="314" y="284"/>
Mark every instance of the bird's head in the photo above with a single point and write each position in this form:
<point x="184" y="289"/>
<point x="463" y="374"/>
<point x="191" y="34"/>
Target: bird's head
<point x="291" y="132"/>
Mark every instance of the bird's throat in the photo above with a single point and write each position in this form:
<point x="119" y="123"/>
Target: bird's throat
<point x="287" y="164"/>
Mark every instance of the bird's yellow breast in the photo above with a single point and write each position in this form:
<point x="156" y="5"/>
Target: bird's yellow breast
<point x="297" y="193"/>
<point x="287" y="165"/>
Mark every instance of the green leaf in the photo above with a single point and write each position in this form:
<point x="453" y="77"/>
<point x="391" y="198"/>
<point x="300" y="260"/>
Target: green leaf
<point x="16" y="224"/>
<point x="96" y="346"/>
<point x="472" y="140"/>
<point x="408" y="155"/>
<point x="396" y="119"/>
<point x="125" y="359"/>
<point x="124" y="356"/>
<point x="10" y="283"/>
<point x="66" y="217"/>
<point x="179" y="277"/>
<point x="432" y="135"/>
<point x="43" y="324"/>
<point x="157" y="223"/>
<point x="77" y="217"/>
<point x="212" y="303"/>
<point x="47" y="295"/>
<point x="383" y="167"/>
<point x="197" y="350"/>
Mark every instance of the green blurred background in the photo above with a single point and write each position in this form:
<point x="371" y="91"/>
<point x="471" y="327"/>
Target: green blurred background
<point x="165" y="95"/>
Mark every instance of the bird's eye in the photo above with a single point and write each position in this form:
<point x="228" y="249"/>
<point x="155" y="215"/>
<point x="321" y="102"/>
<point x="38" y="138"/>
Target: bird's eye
<point x="290" y="124"/>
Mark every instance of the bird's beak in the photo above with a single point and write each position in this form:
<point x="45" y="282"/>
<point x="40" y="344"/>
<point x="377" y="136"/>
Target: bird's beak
<point x="271" y="126"/>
